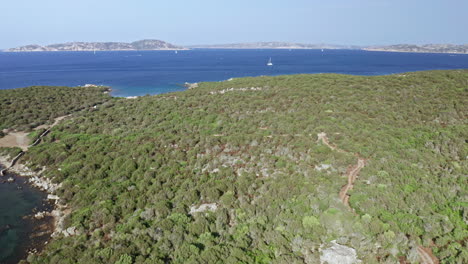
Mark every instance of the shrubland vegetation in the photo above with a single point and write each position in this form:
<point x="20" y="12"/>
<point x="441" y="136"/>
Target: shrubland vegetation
<point x="133" y="169"/>
<point x="26" y="108"/>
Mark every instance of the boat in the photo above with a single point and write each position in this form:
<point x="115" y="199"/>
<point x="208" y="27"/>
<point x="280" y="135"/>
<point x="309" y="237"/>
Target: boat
<point x="175" y="52"/>
<point x="269" y="62"/>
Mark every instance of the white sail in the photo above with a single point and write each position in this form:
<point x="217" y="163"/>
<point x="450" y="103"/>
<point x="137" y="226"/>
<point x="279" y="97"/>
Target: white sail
<point x="269" y="62"/>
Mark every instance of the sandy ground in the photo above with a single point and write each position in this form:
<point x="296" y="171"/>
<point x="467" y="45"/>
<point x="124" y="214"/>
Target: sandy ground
<point x="15" y="139"/>
<point x="20" y="139"/>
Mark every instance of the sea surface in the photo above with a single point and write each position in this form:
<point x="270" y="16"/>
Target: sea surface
<point x="134" y="73"/>
<point x="19" y="231"/>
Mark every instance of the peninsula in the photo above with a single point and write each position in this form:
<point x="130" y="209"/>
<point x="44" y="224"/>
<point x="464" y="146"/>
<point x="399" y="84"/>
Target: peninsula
<point x="427" y="48"/>
<point x="146" y="44"/>
<point x="274" y="45"/>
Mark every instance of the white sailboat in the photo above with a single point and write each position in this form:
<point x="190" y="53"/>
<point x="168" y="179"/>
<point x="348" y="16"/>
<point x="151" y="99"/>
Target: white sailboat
<point x="175" y="52"/>
<point x="269" y="62"/>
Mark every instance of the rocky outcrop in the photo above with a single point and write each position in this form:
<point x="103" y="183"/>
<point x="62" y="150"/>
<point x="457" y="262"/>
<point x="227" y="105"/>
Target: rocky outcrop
<point x="338" y="254"/>
<point x="147" y="44"/>
<point x="60" y="212"/>
<point x="203" y="208"/>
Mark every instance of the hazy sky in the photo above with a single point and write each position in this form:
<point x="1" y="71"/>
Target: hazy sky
<point x="356" y="22"/>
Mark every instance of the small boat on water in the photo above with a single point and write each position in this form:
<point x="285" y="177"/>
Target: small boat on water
<point x="175" y="52"/>
<point x="269" y="62"/>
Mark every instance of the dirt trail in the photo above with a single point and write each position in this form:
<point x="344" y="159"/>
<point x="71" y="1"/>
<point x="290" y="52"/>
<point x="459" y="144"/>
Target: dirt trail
<point x="56" y="121"/>
<point x="352" y="172"/>
<point x="323" y="137"/>
<point x="21" y="140"/>
<point x="426" y="256"/>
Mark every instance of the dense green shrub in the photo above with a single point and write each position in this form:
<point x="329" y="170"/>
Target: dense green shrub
<point x="133" y="170"/>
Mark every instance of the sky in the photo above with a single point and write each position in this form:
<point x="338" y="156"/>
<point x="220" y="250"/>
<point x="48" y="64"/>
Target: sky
<point x="348" y="22"/>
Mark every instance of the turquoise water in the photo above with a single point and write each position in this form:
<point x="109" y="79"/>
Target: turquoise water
<point x="132" y="73"/>
<point x="17" y="200"/>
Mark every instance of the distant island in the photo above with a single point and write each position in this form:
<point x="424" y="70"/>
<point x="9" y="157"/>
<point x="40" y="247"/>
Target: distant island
<point x="428" y="48"/>
<point x="146" y="44"/>
<point x="151" y="44"/>
<point x="273" y="45"/>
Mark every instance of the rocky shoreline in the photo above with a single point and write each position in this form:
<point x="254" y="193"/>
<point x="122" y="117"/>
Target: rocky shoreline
<point x="59" y="212"/>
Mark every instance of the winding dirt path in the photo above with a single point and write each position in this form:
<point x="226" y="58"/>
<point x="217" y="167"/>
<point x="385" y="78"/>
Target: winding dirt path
<point x="352" y="173"/>
<point x="426" y="255"/>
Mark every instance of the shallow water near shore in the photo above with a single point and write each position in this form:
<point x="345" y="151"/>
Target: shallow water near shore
<point x="19" y="230"/>
<point x="135" y="73"/>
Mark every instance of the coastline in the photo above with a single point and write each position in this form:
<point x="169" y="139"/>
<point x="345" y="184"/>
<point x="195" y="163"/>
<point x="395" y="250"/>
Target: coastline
<point x="49" y="221"/>
<point x="91" y="50"/>
<point x="408" y="51"/>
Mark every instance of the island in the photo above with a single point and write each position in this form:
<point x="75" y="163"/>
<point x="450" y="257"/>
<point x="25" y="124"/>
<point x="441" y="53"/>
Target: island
<point x="428" y="48"/>
<point x="150" y="44"/>
<point x="273" y="45"/>
<point x="146" y="44"/>
<point x="308" y="168"/>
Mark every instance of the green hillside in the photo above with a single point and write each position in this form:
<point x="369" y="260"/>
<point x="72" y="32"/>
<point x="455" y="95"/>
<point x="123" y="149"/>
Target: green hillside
<point x="135" y="171"/>
<point x="30" y="107"/>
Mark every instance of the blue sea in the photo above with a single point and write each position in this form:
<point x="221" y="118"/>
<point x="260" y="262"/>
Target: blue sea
<point x="133" y="73"/>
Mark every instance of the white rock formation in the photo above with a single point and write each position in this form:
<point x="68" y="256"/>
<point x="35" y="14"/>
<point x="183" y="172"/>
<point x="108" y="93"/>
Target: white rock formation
<point x="203" y="207"/>
<point x="338" y="254"/>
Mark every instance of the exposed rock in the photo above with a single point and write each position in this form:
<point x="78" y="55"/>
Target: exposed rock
<point x="52" y="197"/>
<point x="191" y="85"/>
<point x="40" y="215"/>
<point x="71" y="231"/>
<point x="338" y="254"/>
<point x="203" y="207"/>
<point x="322" y="167"/>
<point x="237" y="89"/>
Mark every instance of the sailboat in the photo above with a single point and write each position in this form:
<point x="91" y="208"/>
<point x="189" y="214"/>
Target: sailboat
<point x="175" y="52"/>
<point x="269" y="62"/>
